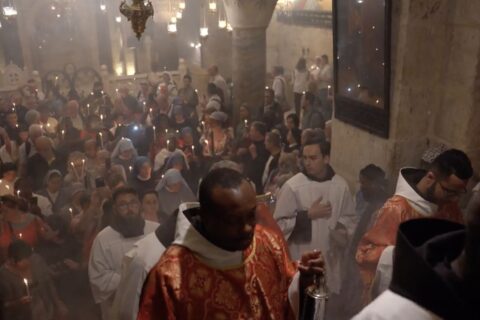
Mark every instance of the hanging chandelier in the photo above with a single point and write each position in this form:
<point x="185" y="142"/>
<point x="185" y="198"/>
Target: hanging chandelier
<point x="138" y="13"/>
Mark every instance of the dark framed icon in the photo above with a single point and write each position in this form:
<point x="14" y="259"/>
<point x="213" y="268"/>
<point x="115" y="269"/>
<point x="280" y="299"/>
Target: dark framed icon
<point x="362" y="37"/>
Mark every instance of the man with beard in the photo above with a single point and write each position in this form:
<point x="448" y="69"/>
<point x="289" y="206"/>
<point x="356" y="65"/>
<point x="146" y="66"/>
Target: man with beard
<point x="432" y="193"/>
<point x="112" y="243"/>
<point x="435" y="271"/>
<point x="315" y="211"/>
<point x="222" y="265"/>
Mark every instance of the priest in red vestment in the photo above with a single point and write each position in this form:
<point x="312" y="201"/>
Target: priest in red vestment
<point x="224" y="266"/>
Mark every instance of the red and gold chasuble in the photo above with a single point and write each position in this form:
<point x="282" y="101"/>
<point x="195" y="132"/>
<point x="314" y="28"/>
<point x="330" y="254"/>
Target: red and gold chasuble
<point x="384" y="233"/>
<point x="182" y="287"/>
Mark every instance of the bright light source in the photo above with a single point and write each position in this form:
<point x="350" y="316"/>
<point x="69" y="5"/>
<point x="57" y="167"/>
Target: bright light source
<point x="53" y="7"/>
<point x="229" y="27"/>
<point x="198" y="45"/>
<point x="179" y="15"/>
<point x="222" y="23"/>
<point x="118" y="19"/>
<point x="59" y="15"/>
<point x="192" y="44"/>
<point x="9" y="11"/>
<point x="204" y="32"/>
<point x="181" y="5"/>
<point x="173" y="20"/>
<point x="172" y="28"/>
<point x="103" y="7"/>
<point x="212" y="6"/>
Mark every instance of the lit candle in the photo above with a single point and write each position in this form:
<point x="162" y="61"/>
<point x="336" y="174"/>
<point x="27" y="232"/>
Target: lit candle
<point x="168" y="142"/>
<point x="166" y="130"/>
<point x="101" y="118"/>
<point x="83" y="167"/>
<point x="88" y="109"/>
<point x="63" y="134"/>
<point x="18" y="193"/>
<point x="71" y="211"/>
<point x="130" y="169"/>
<point x="177" y="131"/>
<point x="246" y="123"/>
<point x="329" y="87"/>
<point x="101" y="139"/>
<point x="26" y="286"/>
<point x="154" y="133"/>
<point x="20" y="235"/>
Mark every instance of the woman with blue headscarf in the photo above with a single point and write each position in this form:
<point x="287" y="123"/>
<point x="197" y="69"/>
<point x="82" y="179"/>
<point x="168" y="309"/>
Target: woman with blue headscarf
<point x="141" y="178"/>
<point x="124" y="155"/>
<point x="172" y="191"/>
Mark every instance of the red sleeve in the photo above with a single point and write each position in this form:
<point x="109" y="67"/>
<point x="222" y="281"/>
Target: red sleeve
<point x="155" y="302"/>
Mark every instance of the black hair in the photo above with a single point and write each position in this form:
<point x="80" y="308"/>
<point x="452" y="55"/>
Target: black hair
<point x="301" y="64"/>
<point x="8" y="166"/>
<point x="260" y="127"/>
<point x="212" y="89"/>
<point x="19" y="250"/>
<point x="325" y="57"/>
<point x="224" y="178"/>
<point x="322" y="143"/>
<point x="454" y="162"/>
<point x="122" y="191"/>
<point x="295" y="119"/>
<point x="373" y="173"/>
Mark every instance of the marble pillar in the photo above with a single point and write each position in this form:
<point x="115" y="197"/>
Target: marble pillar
<point x="249" y="20"/>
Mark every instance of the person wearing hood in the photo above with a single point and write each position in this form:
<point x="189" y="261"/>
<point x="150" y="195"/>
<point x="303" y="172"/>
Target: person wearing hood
<point x="141" y="178"/>
<point x="445" y="257"/>
<point x="112" y="243"/>
<point x="179" y="120"/>
<point x="172" y="191"/>
<point x="432" y="193"/>
<point x="124" y="154"/>
<point x="222" y="263"/>
<point x="315" y="211"/>
<point x="54" y="192"/>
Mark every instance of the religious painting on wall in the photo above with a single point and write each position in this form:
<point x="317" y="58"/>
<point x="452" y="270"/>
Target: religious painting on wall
<point x="362" y="64"/>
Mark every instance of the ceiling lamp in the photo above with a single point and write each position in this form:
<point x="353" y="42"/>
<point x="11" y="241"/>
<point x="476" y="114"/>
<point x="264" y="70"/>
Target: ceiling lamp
<point x="9" y="10"/>
<point x="181" y="5"/>
<point x="212" y="6"/>
<point x="229" y="27"/>
<point x="138" y="13"/>
<point x="172" y="28"/>
<point x="222" y="23"/>
<point x="204" y="32"/>
<point x="179" y="15"/>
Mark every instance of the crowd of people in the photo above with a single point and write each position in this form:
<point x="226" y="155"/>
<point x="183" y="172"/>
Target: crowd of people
<point x="156" y="205"/>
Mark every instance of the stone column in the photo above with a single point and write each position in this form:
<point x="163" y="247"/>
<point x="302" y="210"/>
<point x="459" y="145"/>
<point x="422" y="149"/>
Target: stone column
<point x="249" y="20"/>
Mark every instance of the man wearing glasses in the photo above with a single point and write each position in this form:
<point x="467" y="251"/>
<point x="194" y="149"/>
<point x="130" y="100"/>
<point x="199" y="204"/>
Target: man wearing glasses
<point x="112" y="243"/>
<point x="432" y="193"/>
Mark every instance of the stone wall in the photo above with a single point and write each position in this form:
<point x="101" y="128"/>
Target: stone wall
<point x="435" y="74"/>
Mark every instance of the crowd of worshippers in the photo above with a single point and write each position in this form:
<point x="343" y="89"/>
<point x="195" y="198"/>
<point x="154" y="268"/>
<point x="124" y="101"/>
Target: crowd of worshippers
<point x="157" y="206"/>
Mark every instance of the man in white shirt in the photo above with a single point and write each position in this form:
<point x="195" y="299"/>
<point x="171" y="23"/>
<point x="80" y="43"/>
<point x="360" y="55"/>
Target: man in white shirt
<point x="220" y="82"/>
<point x="139" y="261"/>
<point x="112" y="243"/>
<point x="315" y="210"/>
